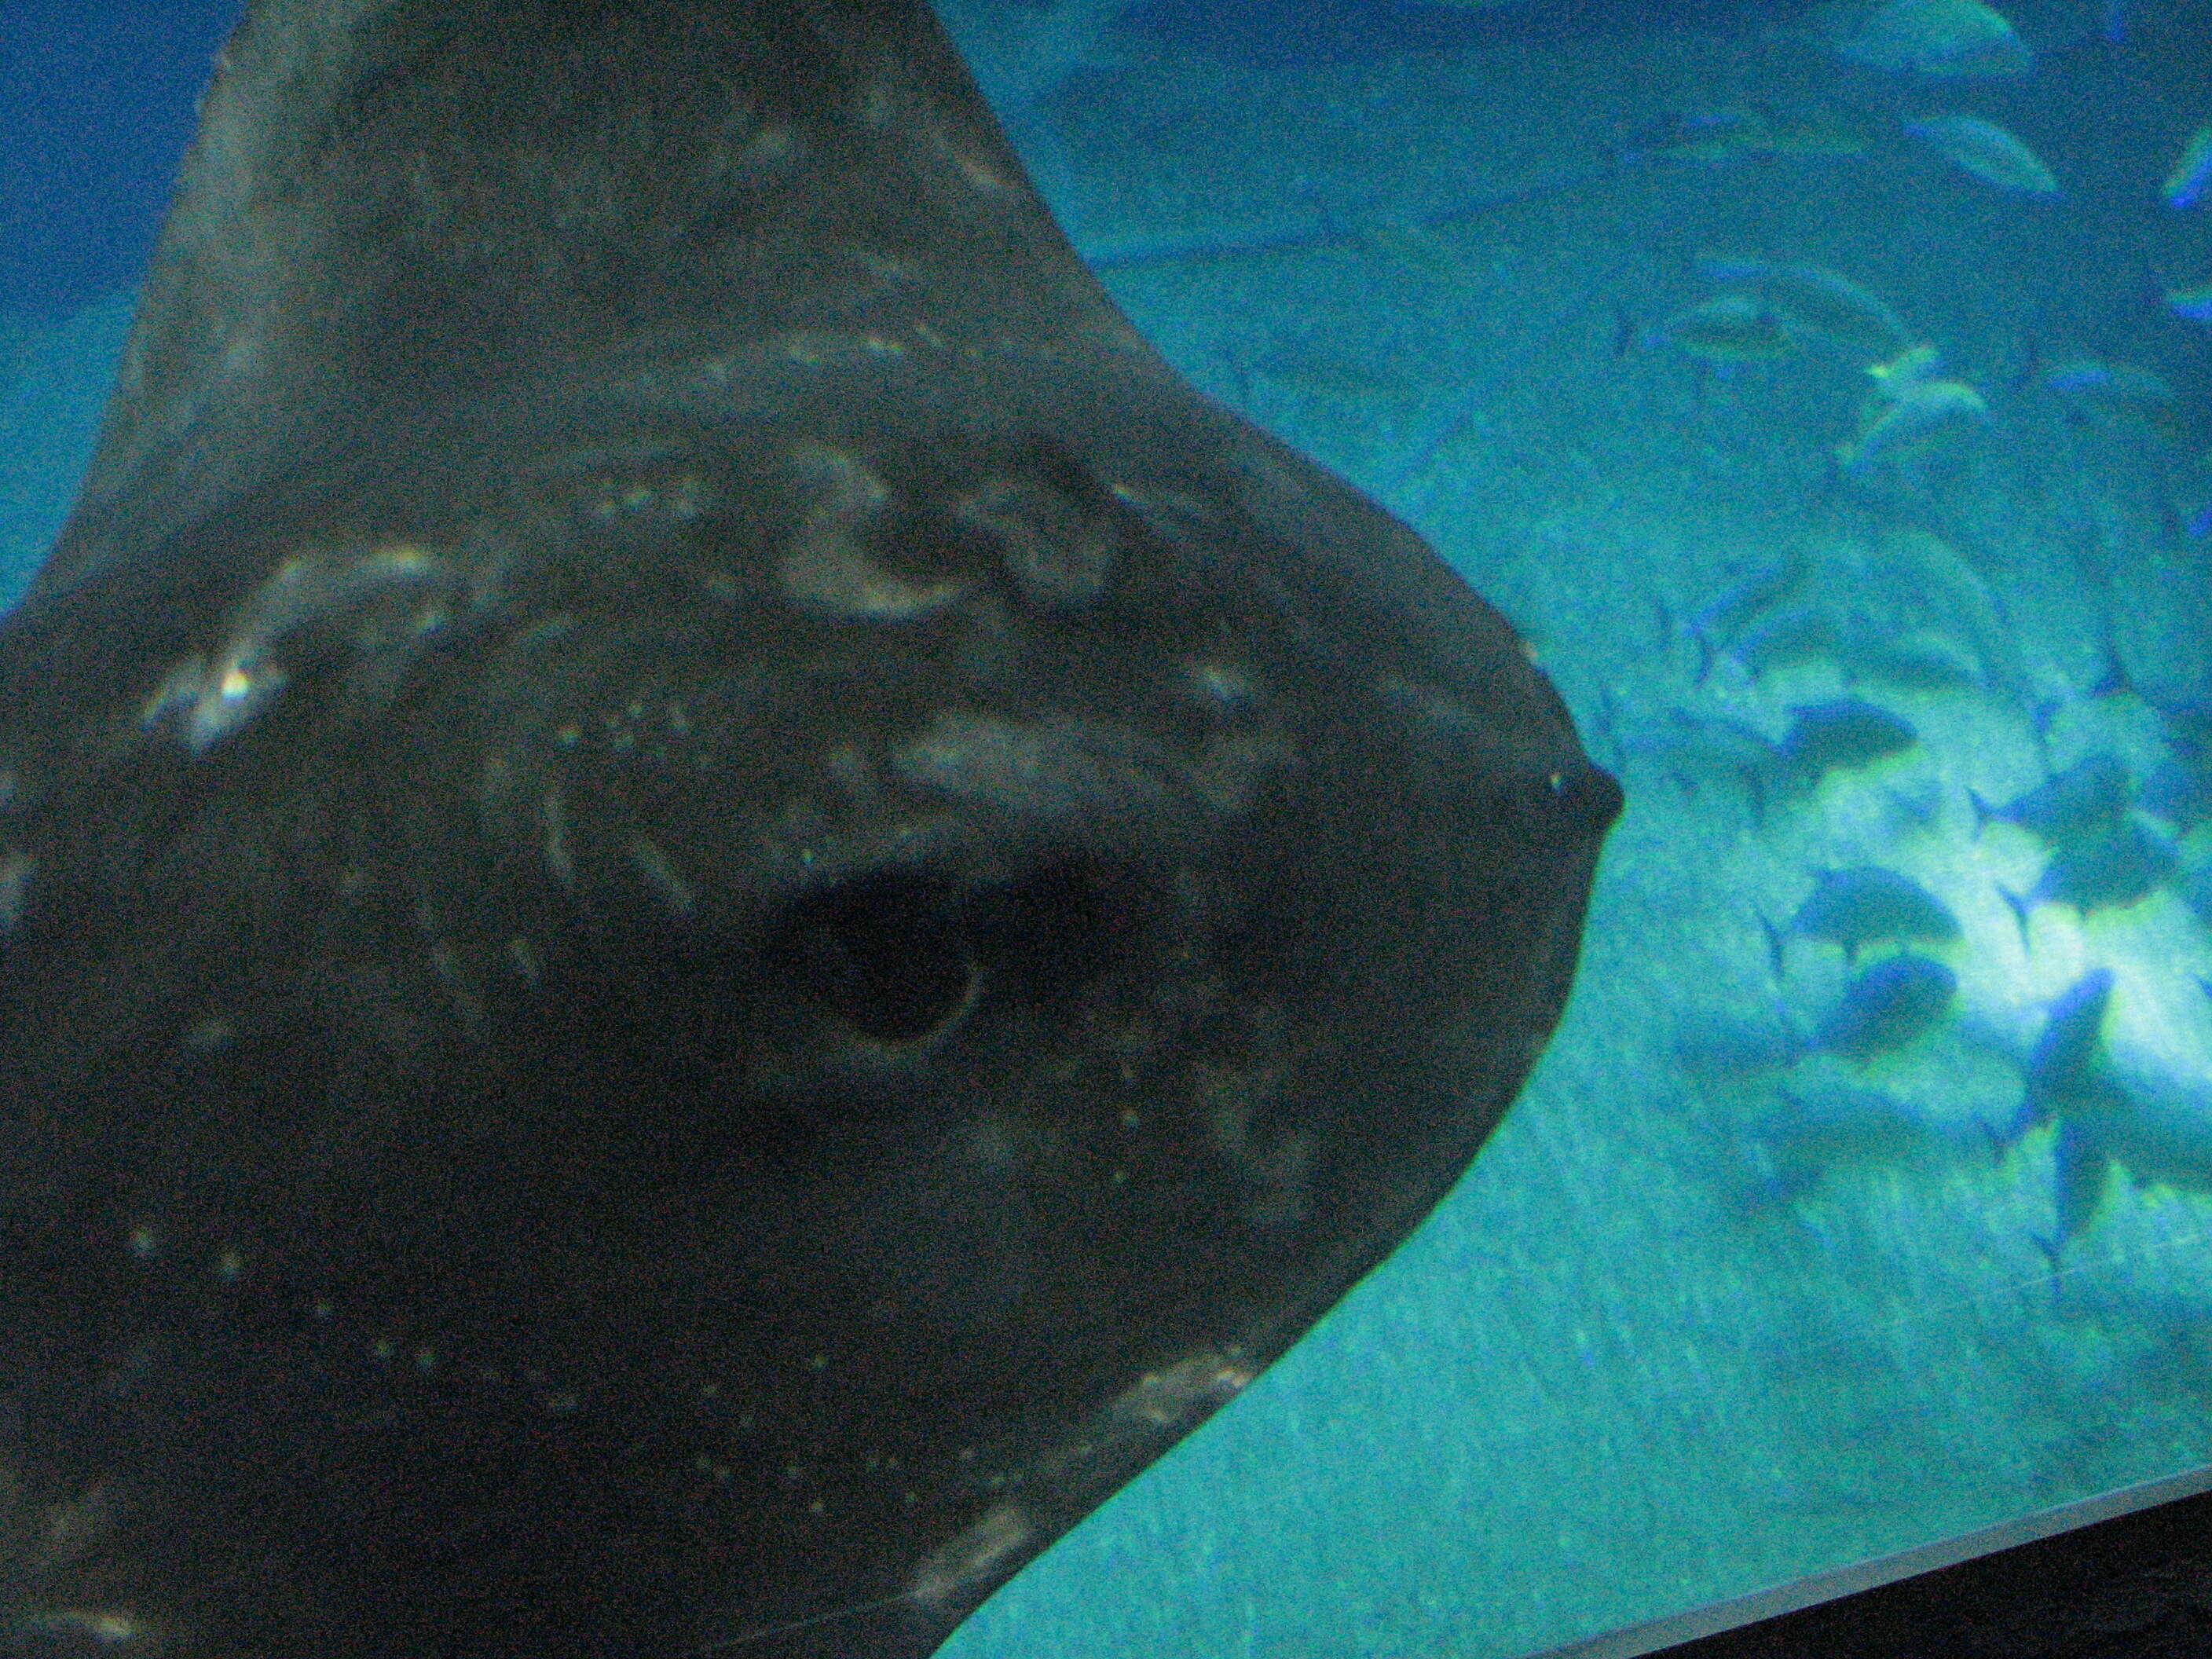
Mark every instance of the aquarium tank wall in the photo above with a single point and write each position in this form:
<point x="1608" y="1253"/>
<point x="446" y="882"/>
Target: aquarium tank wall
<point x="1825" y="394"/>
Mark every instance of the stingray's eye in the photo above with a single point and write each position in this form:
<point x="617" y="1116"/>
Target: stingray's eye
<point x="883" y="954"/>
<point x="1044" y="936"/>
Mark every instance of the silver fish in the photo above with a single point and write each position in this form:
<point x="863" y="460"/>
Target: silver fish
<point x="1909" y="409"/>
<point x="1946" y="38"/>
<point x="1987" y="151"/>
<point x="1816" y="299"/>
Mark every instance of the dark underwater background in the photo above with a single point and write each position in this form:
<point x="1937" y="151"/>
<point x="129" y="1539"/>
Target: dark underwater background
<point x="1863" y="1197"/>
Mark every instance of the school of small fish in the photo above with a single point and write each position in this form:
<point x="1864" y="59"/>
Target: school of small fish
<point x="1766" y="308"/>
<point x="2048" y="922"/>
<point x="2092" y="874"/>
<point x="2053" y="926"/>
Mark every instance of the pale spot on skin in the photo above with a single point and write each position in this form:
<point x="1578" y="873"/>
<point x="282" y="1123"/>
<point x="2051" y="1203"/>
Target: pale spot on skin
<point x="213" y="701"/>
<point x="559" y="859"/>
<point x="1224" y="684"/>
<point x="828" y="572"/>
<point x="1166" y="1398"/>
<point x="974" y="1557"/>
<point x="677" y="893"/>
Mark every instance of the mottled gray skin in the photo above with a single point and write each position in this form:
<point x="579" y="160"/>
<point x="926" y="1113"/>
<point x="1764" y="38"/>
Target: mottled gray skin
<point x="709" y="907"/>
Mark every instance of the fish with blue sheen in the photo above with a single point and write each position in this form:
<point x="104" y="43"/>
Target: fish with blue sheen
<point x="1727" y="330"/>
<point x="1863" y="905"/>
<point x="1728" y="613"/>
<point x="2156" y="1128"/>
<point x="2087" y="799"/>
<point x="1863" y="646"/>
<point x="1827" y="1127"/>
<point x="1784" y="636"/>
<point x="1991" y="152"/>
<point x="2160" y="1138"/>
<point x="1937" y="37"/>
<point x="2066" y="1070"/>
<point x="1815" y="299"/>
<point x="1841" y="734"/>
<point x="1911" y="406"/>
<point x="2105" y="869"/>
<point x="2179" y="790"/>
<point x="2121" y="382"/>
<point x="2193" y="301"/>
<point x="708" y="907"/>
<point x="1921" y="659"/>
<point x="2068" y="1075"/>
<point x="2191" y="177"/>
<point x="1691" y="747"/>
<point x="1837" y="734"/>
<point x="1887" y="1007"/>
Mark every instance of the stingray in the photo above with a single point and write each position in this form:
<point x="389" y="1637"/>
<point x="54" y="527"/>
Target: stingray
<point x="707" y="907"/>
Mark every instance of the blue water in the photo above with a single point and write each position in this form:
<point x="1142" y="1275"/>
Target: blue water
<point x="1717" y="1307"/>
